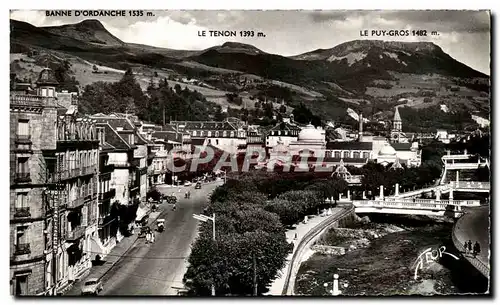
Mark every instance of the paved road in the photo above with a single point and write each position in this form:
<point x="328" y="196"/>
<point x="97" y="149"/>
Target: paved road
<point x="475" y="226"/>
<point x="154" y="269"/>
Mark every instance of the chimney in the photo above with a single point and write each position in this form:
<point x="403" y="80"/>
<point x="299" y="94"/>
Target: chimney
<point x="360" y="137"/>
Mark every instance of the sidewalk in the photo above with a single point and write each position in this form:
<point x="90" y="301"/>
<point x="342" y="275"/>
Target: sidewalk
<point x="301" y="229"/>
<point x="113" y="257"/>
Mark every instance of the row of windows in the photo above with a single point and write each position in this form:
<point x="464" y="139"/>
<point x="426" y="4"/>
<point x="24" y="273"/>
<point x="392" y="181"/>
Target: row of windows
<point x="202" y="133"/>
<point x="76" y="159"/>
<point x="284" y="133"/>
<point x="347" y="154"/>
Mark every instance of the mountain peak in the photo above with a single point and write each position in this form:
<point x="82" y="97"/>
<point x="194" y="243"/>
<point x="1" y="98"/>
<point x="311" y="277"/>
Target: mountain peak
<point x="236" y="47"/>
<point x="93" y="24"/>
<point x="89" y="30"/>
<point x="345" y="48"/>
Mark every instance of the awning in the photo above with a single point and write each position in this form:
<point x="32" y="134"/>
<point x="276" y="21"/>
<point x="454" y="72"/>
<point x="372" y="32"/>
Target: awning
<point x="141" y="213"/>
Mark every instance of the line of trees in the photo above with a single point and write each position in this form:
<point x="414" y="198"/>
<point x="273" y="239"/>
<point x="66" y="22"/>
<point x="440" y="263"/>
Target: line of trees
<point x="159" y="99"/>
<point x="249" y="224"/>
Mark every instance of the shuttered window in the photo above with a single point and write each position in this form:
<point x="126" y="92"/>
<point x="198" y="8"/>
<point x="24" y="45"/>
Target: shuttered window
<point x="21" y="200"/>
<point x="23" y="128"/>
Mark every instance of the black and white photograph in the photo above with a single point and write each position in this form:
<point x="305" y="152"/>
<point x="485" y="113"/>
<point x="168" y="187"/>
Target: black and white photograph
<point x="250" y="153"/>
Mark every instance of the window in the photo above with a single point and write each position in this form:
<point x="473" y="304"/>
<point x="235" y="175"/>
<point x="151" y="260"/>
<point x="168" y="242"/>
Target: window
<point x="23" y="129"/>
<point x="22" y="165"/>
<point x="131" y="139"/>
<point x="356" y="154"/>
<point x="209" y="133"/>
<point x="216" y="134"/>
<point x="21" y="236"/>
<point x="224" y="133"/>
<point x="217" y="142"/>
<point x="22" y="200"/>
<point x="194" y="133"/>
<point x="22" y="285"/>
<point x="346" y="154"/>
<point x="232" y="134"/>
<point x="44" y="91"/>
<point x="366" y="155"/>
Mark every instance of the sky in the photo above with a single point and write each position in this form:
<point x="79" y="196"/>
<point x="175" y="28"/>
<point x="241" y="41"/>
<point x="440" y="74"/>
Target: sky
<point x="464" y="35"/>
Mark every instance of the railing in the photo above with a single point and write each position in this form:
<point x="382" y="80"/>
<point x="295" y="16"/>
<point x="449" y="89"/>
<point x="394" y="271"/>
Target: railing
<point x="463" y="165"/>
<point x="87" y="198"/>
<point x="88" y="170"/>
<point x="76" y="233"/>
<point x="75" y="172"/>
<point x="288" y="286"/>
<point x="470" y="184"/>
<point x="76" y="203"/>
<point x="26" y="100"/>
<point x="22" y="249"/>
<point x="419" y="204"/>
<point x="26" y="139"/>
<point x="431" y="201"/>
<point x="23" y="177"/>
<point x="483" y="268"/>
<point x="107" y="195"/>
<point x="22" y="212"/>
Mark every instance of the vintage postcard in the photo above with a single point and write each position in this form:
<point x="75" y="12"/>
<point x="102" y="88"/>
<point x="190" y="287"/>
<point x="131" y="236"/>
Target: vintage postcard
<point x="249" y="153"/>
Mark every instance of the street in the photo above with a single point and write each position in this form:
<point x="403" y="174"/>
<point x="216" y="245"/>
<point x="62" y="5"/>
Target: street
<point x="154" y="269"/>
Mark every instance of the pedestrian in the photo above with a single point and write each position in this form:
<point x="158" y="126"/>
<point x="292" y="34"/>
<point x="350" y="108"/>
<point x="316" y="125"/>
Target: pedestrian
<point x="465" y="248"/>
<point x="148" y="237"/>
<point x="477" y="249"/>
<point x="295" y="237"/>
<point x="469" y="246"/>
<point x="153" y="237"/>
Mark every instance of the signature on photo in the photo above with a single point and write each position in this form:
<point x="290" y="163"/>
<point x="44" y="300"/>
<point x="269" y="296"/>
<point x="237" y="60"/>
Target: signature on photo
<point x="429" y="257"/>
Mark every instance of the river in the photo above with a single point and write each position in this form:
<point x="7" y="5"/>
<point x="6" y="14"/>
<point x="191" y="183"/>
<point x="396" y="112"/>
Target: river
<point x="382" y="258"/>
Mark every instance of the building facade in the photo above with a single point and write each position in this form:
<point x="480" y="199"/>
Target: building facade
<point x="53" y="189"/>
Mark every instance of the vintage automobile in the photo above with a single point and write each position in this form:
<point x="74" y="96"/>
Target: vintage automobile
<point x="92" y="287"/>
<point x="160" y="223"/>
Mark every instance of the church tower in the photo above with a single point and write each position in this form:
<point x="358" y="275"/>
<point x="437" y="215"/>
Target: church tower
<point x="397" y="127"/>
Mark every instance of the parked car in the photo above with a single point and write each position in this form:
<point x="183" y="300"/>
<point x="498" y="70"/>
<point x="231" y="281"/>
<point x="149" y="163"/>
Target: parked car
<point x="187" y="183"/>
<point x="92" y="287"/>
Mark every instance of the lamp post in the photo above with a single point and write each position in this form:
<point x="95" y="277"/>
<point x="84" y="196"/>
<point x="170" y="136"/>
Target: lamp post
<point x="205" y="219"/>
<point x="335" y="289"/>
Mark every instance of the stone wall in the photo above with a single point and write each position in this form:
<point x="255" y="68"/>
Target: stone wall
<point x="328" y="250"/>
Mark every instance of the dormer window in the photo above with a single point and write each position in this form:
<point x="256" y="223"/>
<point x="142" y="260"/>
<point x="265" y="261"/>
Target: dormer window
<point x="131" y="139"/>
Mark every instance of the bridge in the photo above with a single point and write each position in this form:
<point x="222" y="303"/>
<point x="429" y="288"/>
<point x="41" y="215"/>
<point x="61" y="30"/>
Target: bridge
<point x="461" y="164"/>
<point x="452" y="208"/>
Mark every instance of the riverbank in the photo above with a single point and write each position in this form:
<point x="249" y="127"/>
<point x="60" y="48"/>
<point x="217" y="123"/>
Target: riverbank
<point x="381" y="255"/>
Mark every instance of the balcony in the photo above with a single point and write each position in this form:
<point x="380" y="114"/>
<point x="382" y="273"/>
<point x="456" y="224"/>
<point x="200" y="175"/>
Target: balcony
<point x="27" y="100"/>
<point x="107" y="195"/>
<point x="22" y="249"/>
<point x="76" y="233"/>
<point x="76" y="203"/>
<point x="75" y="172"/>
<point x="23" y="178"/>
<point x="23" y="139"/>
<point x="88" y="170"/>
<point x="22" y="212"/>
